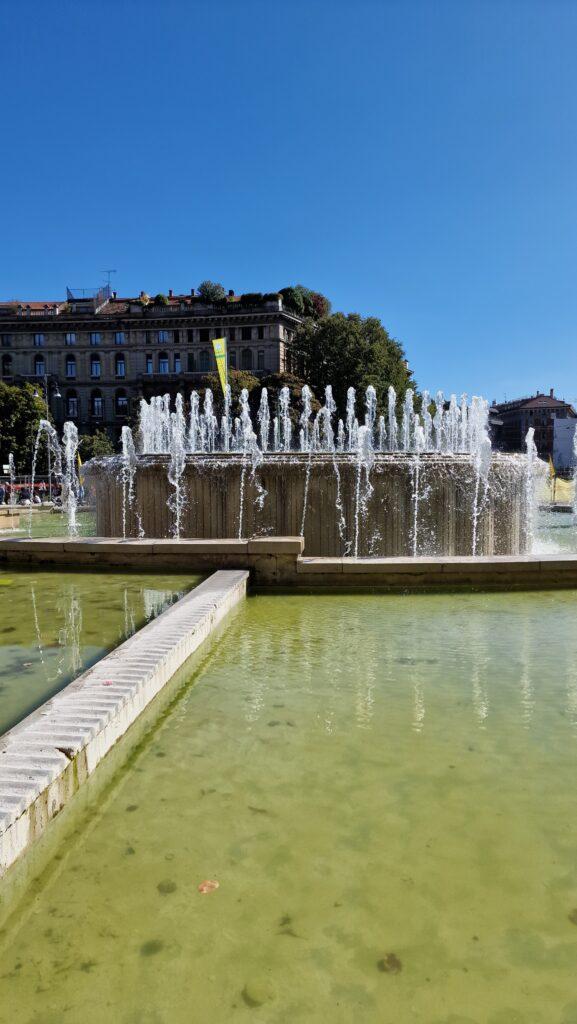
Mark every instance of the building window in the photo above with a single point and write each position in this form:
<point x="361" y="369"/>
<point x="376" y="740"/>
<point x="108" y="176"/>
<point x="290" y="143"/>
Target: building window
<point x="204" y="361"/>
<point x="190" y="336"/>
<point x="71" y="404"/>
<point x="120" y="366"/>
<point x="190" y="362"/>
<point x="6" y="366"/>
<point x="97" y="404"/>
<point x="121" y="403"/>
<point x="162" y="337"/>
<point x="177" y="363"/>
<point x="39" y="340"/>
<point x="232" y="334"/>
<point x="70" y="366"/>
<point x="260" y="333"/>
<point x="176" y="337"/>
<point x="246" y="334"/>
<point x="204" y="335"/>
<point x="70" y="338"/>
<point x="149" y="366"/>
<point x="6" y="340"/>
<point x="246" y="359"/>
<point x="95" y="366"/>
<point x="232" y="359"/>
<point x="119" y="338"/>
<point x="95" y="337"/>
<point x="260" y="359"/>
<point x="39" y="366"/>
<point x="163" y="363"/>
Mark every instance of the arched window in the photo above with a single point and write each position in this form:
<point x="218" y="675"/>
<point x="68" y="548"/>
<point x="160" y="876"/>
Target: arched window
<point x="121" y="402"/>
<point x="39" y="366"/>
<point x="246" y="359"/>
<point x="190" y="362"/>
<point x="163" y="362"/>
<point x="260" y="359"/>
<point x="71" y="405"/>
<point x="97" y="404"/>
<point x="95" y="366"/>
<point x="70" y="366"/>
<point x="204" y="361"/>
<point x="120" y="366"/>
<point x="6" y="366"/>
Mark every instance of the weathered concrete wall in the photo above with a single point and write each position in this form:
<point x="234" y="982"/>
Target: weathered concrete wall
<point x="48" y="756"/>
<point x="433" y="506"/>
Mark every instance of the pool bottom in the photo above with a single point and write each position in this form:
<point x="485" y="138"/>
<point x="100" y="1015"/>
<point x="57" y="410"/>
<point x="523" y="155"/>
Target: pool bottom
<point x="382" y="787"/>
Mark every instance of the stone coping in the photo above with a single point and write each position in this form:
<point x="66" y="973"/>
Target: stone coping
<point x="280" y="562"/>
<point x="46" y="757"/>
<point x="95" y="545"/>
<point x="446" y="564"/>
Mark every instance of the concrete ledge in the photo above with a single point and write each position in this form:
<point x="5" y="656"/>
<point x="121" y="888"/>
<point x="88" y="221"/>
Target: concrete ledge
<point x="276" y="545"/>
<point x="47" y="756"/>
<point x="201" y="547"/>
<point x="278" y="561"/>
<point x="319" y="565"/>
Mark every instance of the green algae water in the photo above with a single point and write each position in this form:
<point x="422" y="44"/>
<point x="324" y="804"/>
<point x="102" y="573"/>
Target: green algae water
<point x="54" y="625"/>
<point x="384" y="789"/>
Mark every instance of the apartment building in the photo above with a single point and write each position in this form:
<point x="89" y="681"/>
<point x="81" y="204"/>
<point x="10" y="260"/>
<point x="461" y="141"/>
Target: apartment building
<point x="95" y="355"/>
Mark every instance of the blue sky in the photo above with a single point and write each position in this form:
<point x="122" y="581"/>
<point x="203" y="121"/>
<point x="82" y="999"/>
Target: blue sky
<point x="416" y="161"/>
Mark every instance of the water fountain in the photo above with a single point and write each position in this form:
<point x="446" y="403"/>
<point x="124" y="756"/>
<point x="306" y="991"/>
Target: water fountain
<point x="64" y="469"/>
<point x="421" y="482"/>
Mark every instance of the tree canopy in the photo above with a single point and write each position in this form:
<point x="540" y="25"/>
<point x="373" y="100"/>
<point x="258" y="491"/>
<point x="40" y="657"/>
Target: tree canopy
<point x="96" y="445"/>
<point x="20" y="414"/>
<point x="305" y="302"/>
<point x="347" y="350"/>
<point x="211" y="291"/>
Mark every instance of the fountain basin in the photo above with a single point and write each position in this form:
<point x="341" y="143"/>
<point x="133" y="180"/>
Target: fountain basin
<point x="403" y="505"/>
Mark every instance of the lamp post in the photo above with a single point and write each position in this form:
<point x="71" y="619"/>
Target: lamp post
<point x="46" y="389"/>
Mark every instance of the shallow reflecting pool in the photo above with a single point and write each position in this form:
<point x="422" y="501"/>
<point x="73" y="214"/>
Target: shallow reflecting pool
<point x="384" y="789"/>
<point x="53" y="625"/>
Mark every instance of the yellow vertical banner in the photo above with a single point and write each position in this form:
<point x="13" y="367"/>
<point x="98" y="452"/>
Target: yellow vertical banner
<point x="219" y="345"/>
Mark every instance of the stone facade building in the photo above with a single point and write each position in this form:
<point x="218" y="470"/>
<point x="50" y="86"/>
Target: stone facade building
<point x="95" y="356"/>
<point x="539" y="411"/>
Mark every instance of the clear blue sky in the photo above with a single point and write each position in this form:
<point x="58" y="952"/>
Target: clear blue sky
<point x="414" y="161"/>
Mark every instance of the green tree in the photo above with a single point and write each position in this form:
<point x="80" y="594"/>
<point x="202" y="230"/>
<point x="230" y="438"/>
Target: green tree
<point x="20" y="414"/>
<point x="238" y="379"/>
<point x="273" y="382"/>
<point x="305" y="302"/>
<point x="293" y="300"/>
<point x="210" y="291"/>
<point x="160" y="300"/>
<point x="350" y="351"/>
<point x="97" y="445"/>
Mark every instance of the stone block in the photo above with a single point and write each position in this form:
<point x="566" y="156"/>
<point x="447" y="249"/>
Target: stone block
<point x="188" y="547"/>
<point x="276" y="545"/>
<point x="319" y="565"/>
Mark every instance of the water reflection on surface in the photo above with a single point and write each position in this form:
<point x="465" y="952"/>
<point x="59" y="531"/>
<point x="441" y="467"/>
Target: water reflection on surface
<point x="384" y="788"/>
<point x="53" y="625"/>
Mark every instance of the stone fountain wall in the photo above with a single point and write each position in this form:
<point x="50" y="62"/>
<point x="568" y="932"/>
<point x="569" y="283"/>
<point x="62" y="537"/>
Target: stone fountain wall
<point x="343" y="515"/>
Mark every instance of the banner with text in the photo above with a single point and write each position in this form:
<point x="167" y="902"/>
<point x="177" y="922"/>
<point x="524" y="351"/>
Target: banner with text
<point x="219" y="345"/>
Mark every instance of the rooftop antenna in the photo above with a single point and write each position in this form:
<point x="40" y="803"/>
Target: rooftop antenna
<point x="108" y="273"/>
